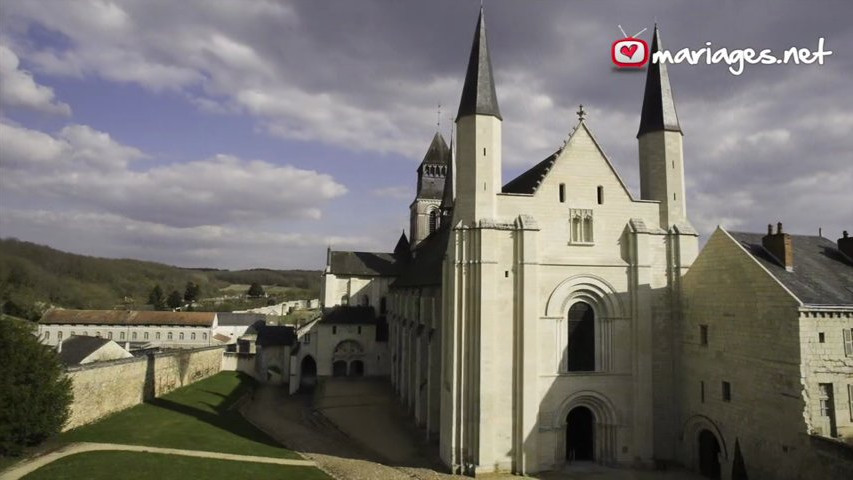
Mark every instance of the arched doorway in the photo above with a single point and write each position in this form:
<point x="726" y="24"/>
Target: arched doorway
<point x="579" y="435"/>
<point x="356" y="368"/>
<point x="339" y="369"/>
<point x="307" y="373"/>
<point x="709" y="455"/>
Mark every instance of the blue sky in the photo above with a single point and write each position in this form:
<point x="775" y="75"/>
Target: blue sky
<point x="253" y="134"/>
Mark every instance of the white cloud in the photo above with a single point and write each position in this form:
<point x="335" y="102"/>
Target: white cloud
<point x="19" y="89"/>
<point x="86" y="167"/>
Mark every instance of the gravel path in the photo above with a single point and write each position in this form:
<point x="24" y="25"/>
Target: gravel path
<point x="20" y="470"/>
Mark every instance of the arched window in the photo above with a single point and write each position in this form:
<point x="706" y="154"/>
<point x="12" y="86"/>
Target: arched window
<point x="433" y="220"/>
<point x="581" y="351"/>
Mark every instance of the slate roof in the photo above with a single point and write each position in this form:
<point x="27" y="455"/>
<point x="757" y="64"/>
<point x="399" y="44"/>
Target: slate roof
<point x="529" y="181"/>
<point x="425" y="268"/>
<point x="127" y="317"/>
<point x="478" y="91"/>
<point x="78" y="347"/>
<point x="658" y="103"/>
<point x="276" y="335"/>
<point x="821" y="274"/>
<point x="431" y="185"/>
<point x="365" y="264"/>
<point x="228" y="319"/>
<point x="349" y="315"/>
<point x="438" y="152"/>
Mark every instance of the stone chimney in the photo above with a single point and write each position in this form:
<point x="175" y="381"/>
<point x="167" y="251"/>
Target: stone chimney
<point x="779" y="245"/>
<point x="845" y="245"/>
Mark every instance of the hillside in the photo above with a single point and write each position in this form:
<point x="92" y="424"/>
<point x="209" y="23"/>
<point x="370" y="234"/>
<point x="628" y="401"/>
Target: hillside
<point x="34" y="277"/>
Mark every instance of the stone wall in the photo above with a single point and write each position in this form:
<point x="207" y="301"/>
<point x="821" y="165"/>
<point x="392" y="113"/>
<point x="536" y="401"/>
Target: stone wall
<point x="103" y="388"/>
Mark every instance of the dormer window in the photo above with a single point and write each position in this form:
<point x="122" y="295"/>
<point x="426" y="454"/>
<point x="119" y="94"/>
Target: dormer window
<point x="580" y="226"/>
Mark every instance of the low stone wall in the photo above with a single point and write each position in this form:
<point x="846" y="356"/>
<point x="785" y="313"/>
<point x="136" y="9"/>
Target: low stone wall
<point x="239" y="362"/>
<point x="103" y="388"/>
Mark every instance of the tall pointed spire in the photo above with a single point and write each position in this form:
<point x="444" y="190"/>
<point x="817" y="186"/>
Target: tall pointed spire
<point x="446" y="206"/>
<point x="478" y="92"/>
<point x="658" y="103"/>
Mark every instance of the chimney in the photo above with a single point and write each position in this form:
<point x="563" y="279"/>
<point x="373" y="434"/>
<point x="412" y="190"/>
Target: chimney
<point x="845" y="245"/>
<point x="779" y="245"/>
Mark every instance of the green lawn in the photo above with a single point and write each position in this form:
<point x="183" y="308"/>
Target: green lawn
<point x="196" y="417"/>
<point x="136" y="465"/>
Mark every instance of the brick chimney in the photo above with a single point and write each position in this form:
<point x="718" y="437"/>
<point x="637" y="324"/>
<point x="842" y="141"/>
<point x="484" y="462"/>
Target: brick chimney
<point x="845" y="245"/>
<point x="779" y="245"/>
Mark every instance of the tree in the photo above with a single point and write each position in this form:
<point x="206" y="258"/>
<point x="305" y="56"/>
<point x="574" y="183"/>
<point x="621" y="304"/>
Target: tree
<point x="255" y="290"/>
<point x="191" y="292"/>
<point x="35" y="394"/>
<point x="156" y="298"/>
<point x="175" y="300"/>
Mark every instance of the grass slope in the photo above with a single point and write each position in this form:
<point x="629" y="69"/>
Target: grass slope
<point x="138" y="466"/>
<point x="196" y="417"/>
<point x="33" y="277"/>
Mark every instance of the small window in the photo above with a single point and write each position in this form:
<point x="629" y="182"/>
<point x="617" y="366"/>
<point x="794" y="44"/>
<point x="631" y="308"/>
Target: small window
<point x="506" y="273"/>
<point x="110" y="335"/>
<point x="169" y="336"/>
<point x="121" y="335"/>
<point x="825" y="397"/>
<point x="702" y="391"/>
<point x="600" y="193"/>
<point x="850" y="401"/>
<point x="181" y="336"/>
<point x="157" y="335"/>
<point x="59" y="336"/>
<point x="72" y="333"/>
<point x="98" y="334"/>
<point x="562" y="193"/>
<point x="820" y="337"/>
<point x="133" y="335"/>
<point x="145" y="335"/>
<point x="433" y="220"/>
<point x="703" y="335"/>
<point x="306" y="339"/>
<point x="47" y="335"/>
<point x="484" y="152"/>
<point x="192" y="336"/>
<point x="334" y="330"/>
<point x="673" y="196"/>
<point x="727" y="392"/>
<point x="359" y="330"/>
<point x="848" y="342"/>
<point x="204" y="336"/>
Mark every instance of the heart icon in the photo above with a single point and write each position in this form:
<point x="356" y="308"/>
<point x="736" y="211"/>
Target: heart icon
<point x="628" y="51"/>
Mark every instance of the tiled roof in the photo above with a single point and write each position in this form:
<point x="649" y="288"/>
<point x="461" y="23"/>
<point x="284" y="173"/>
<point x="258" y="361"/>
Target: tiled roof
<point x="821" y="274"/>
<point x="529" y="181"/>
<point x="228" y="319"/>
<point x="127" y="317"/>
<point x="425" y="268"/>
<point x="362" y="263"/>
<point x="77" y="348"/>
<point x="349" y="315"/>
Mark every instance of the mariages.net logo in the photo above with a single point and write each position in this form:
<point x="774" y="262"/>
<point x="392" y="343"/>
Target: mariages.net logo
<point x="630" y="51"/>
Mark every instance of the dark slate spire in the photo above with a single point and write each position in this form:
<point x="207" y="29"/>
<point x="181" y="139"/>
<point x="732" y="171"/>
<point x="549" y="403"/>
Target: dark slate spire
<point x="658" y="104"/>
<point x="446" y="206"/>
<point x="402" y="251"/>
<point x="438" y="152"/>
<point x="431" y="171"/>
<point x="478" y="92"/>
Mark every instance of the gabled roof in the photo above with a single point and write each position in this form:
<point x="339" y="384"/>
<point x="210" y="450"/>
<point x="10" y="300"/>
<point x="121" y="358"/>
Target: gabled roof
<point x="821" y="274"/>
<point x="77" y="348"/>
<point x="228" y="319"/>
<point x="530" y="180"/>
<point x="127" y="317"/>
<point x="403" y="250"/>
<point x="425" y="269"/>
<point x="658" y="103"/>
<point x="368" y="264"/>
<point x="276" y="335"/>
<point x="478" y="92"/>
<point x="349" y="315"/>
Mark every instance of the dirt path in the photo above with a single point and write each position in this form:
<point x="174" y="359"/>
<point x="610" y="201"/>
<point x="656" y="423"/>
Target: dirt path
<point x="29" y="466"/>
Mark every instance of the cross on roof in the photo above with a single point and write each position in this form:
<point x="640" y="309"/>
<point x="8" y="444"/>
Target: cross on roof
<point x="581" y="113"/>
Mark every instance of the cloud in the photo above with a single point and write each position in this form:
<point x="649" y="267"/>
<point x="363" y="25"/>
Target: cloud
<point x="19" y="89"/>
<point x="84" y="167"/>
<point x="397" y="193"/>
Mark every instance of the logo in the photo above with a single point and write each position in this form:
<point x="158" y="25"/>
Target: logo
<point x="630" y="51"/>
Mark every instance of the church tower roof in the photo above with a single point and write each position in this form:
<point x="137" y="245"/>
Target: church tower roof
<point x="438" y="152"/>
<point x="447" y="196"/>
<point x="402" y="250"/>
<point x="478" y="91"/>
<point x="658" y="103"/>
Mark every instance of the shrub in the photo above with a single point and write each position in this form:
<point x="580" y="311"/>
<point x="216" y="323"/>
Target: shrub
<point x="35" y="394"/>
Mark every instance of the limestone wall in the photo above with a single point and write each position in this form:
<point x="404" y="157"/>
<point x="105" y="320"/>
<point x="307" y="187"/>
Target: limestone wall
<point x="103" y="388"/>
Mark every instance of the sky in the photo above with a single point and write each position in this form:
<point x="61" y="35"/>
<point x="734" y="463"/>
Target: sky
<point x="242" y="134"/>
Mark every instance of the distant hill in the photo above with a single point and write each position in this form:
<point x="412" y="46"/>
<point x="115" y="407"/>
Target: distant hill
<point x="34" y="277"/>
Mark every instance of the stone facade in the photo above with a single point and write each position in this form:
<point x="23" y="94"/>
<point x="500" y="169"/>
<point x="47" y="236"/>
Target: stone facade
<point x="108" y="387"/>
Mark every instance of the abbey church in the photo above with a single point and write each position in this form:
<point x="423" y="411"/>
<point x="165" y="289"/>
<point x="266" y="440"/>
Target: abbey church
<point x="558" y="318"/>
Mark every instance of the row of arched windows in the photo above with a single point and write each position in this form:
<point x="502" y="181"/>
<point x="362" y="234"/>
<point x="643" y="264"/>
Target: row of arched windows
<point x="435" y="170"/>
